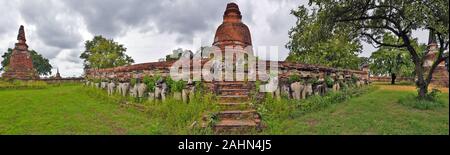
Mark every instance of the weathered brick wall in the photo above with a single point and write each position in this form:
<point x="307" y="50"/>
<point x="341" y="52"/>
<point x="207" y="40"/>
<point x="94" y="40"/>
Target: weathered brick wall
<point x="286" y="69"/>
<point x="62" y="80"/>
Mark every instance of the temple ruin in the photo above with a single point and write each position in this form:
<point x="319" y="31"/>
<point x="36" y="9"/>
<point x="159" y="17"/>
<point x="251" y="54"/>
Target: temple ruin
<point x="232" y="94"/>
<point x="440" y="74"/>
<point x="20" y="63"/>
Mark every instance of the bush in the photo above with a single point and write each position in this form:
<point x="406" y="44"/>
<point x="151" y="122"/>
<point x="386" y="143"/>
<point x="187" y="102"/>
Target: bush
<point x="294" y="78"/>
<point x="150" y="82"/>
<point x="133" y="81"/>
<point x="431" y="101"/>
<point x="177" y="86"/>
<point x="329" y="81"/>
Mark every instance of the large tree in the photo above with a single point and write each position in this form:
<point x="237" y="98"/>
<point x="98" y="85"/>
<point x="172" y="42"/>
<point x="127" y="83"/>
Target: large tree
<point x="393" y="61"/>
<point x="340" y="51"/>
<point x="369" y="20"/>
<point x="104" y="53"/>
<point x="40" y="63"/>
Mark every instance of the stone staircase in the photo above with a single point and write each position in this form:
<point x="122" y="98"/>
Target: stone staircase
<point x="236" y="115"/>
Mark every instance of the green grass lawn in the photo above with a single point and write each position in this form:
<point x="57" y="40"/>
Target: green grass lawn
<point x="73" y="109"/>
<point x="374" y="113"/>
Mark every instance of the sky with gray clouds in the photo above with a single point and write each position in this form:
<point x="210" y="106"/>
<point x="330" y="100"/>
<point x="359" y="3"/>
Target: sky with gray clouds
<point x="150" y="29"/>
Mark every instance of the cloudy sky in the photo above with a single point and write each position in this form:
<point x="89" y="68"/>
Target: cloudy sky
<point x="150" y="29"/>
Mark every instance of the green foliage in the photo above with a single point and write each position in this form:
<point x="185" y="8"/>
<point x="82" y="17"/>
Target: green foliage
<point x="104" y="53"/>
<point x="200" y="86"/>
<point x="308" y="46"/>
<point x="133" y="81"/>
<point x="329" y="81"/>
<point x="354" y="78"/>
<point x="432" y="100"/>
<point x="389" y="60"/>
<point x="40" y="63"/>
<point x="175" y="86"/>
<point x="178" y="86"/>
<point x="312" y="80"/>
<point x="150" y="82"/>
<point x="294" y="78"/>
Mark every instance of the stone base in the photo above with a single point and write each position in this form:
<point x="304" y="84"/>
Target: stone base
<point x="440" y="77"/>
<point x="20" y="75"/>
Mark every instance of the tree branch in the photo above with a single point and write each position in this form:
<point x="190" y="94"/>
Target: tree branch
<point x="381" y="43"/>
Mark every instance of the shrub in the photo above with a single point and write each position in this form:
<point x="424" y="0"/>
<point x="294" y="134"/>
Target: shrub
<point x="177" y="86"/>
<point x="294" y="78"/>
<point x="133" y="81"/>
<point x="150" y="82"/>
<point x="313" y="81"/>
<point x="329" y="81"/>
<point x="354" y="78"/>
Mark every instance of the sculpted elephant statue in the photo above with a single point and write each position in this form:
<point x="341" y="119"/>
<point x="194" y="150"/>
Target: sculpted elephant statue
<point x="134" y="91"/>
<point x="296" y="88"/>
<point x="285" y="90"/>
<point x="141" y="90"/>
<point x="103" y="85"/>
<point x="124" y="88"/>
<point x="111" y="87"/>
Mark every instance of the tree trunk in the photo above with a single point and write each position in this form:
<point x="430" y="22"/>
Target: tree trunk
<point x="393" y="77"/>
<point x="421" y="83"/>
<point x="423" y="90"/>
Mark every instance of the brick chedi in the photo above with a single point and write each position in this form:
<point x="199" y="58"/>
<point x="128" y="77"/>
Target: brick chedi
<point x="441" y="73"/>
<point x="20" y="63"/>
<point x="232" y="32"/>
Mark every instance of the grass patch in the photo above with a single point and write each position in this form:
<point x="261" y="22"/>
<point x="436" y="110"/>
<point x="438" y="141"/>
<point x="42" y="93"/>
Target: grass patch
<point x="431" y="101"/>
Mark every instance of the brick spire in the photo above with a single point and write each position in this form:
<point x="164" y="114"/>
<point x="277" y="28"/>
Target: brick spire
<point x="21" y="35"/>
<point x="232" y="13"/>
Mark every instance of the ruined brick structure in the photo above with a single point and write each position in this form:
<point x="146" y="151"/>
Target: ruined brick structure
<point x="232" y="32"/>
<point x="233" y="95"/>
<point x="440" y="74"/>
<point x="20" y="63"/>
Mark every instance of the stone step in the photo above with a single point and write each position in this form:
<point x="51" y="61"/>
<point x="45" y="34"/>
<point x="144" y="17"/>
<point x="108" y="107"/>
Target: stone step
<point x="233" y="98"/>
<point x="233" y="86"/>
<point x="238" y="115"/>
<point x="236" y="126"/>
<point x="234" y="106"/>
<point x="239" y="91"/>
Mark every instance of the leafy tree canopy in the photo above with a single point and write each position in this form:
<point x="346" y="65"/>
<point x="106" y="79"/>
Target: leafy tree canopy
<point x="340" y="51"/>
<point x="393" y="61"/>
<point x="104" y="53"/>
